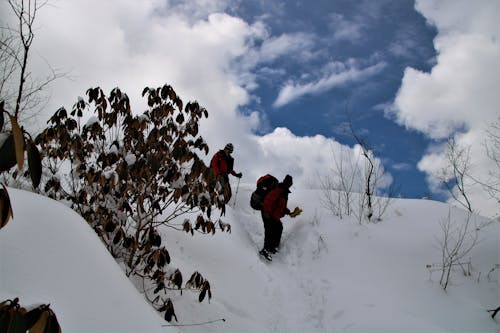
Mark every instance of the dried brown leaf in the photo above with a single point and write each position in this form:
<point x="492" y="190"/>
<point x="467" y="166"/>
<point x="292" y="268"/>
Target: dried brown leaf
<point x="169" y="313"/>
<point x="17" y="323"/>
<point x="34" y="164"/>
<point x="201" y="297"/>
<point x="2" y="119"/>
<point x="7" y="154"/>
<point x="39" y="325"/>
<point x="18" y="142"/>
<point x="176" y="278"/>
<point x="33" y="316"/>
<point x="186" y="226"/>
<point x="5" y="208"/>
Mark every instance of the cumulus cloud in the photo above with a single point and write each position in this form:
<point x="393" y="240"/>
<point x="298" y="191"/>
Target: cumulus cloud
<point x="337" y="74"/>
<point x="204" y="56"/>
<point x="459" y="96"/>
<point x="308" y="158"/>
<point x="121" y="43"/>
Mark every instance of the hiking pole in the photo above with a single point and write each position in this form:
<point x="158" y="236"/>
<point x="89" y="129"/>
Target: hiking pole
<point x="236" y="194"/>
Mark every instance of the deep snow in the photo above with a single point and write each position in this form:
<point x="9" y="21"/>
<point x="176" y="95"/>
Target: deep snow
<point x="331" y="274"/>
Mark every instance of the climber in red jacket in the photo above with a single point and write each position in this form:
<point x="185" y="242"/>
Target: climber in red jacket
<point x="273" y="209"/>
<point x="222" y="164"/>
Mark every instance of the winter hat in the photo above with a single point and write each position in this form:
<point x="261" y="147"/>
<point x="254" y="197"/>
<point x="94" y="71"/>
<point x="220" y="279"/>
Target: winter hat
<point x="288" y="181"/>
<point x="229" y="148"/>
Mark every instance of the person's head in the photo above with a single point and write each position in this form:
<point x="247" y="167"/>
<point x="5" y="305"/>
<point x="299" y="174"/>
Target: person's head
<point x="288" y="182"/>
<point x="228" y="149"/>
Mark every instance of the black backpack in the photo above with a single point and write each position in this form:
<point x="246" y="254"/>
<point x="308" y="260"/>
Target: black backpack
<point x="264" y="185"/>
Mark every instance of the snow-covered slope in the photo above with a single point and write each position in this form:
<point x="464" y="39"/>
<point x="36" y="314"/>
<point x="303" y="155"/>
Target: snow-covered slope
<point x="330" y="275"/>
<point x="49" y="254"/>
<point x="335" y="275"/>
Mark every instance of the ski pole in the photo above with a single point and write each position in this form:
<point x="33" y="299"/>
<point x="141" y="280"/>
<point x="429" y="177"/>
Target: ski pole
<point x="236" y="194"/>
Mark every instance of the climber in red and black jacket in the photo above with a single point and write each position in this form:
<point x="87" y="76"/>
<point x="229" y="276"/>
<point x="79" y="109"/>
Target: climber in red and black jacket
<point x="222" y="164"/>
<point x="273" y="209"/>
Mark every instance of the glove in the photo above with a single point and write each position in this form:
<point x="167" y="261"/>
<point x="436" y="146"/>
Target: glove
<point x="295" y="212"/>
<point x="238" y="175"/>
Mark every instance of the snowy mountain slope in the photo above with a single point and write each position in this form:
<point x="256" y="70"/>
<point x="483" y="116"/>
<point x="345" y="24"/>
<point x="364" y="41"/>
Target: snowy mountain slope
<point x="334" y="275"/>
<point x="331" y="275"/>
<point x="48" y="254"/>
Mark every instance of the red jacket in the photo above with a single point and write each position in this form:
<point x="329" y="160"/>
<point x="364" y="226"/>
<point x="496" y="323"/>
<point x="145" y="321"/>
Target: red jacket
<point x="222" y="163"/>
<point x="275" y="203"/>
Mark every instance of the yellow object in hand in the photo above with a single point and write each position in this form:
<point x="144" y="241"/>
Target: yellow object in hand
<point x="296" y="212"/>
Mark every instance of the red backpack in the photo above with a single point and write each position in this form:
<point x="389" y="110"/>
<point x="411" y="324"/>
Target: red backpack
<point x="264" y="185"/>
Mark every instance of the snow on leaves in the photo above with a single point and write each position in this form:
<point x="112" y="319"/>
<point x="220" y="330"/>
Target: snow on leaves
<point x="130" y="174"/>
<point x="197" y="281"/>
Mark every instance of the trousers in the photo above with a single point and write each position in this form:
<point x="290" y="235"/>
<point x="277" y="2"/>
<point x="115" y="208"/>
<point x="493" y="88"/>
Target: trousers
<point x="272" y="232"/>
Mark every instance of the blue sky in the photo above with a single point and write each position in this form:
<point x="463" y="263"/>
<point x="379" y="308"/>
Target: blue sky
<point x="278" y="76"/>
<point x="386" y="36"/>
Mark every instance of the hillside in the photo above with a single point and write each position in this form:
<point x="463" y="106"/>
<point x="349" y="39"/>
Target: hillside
<point x="48" y="254"/>
<point x="331" y="275"/>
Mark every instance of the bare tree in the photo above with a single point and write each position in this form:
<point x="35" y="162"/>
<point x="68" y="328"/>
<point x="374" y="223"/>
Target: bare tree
<point x="351" y="187"/>
<point x="331" y="197"/>
<point x="492" y="147"/>
<point x="15" y="142"/>
<point x="383" y="201"/>
<point x="458" y="240"/>
<point x="454" y="176"/>
<point x="18" y="94"/>
<point x="21" y="92"/>
<point x="338" y="186"/>
<point x="368" y="174"/>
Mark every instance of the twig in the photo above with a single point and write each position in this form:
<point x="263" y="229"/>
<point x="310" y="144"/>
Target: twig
<point x="195" y="324"/>
<point x="494" y="312"/>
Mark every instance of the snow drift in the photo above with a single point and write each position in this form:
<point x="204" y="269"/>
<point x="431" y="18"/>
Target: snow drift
<point x="331" y="275"/>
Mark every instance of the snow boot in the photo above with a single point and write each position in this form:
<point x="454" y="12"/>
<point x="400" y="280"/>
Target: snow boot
<point x="266" y="254"/>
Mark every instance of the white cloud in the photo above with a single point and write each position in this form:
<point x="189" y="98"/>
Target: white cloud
<point x="404" y="45"/>
<point x="402" y="166"/>
<point x="129" y="45"/>
<point x="307" y="159"/>
<point x="345" y="29"/>
<point x="270" y="49"/>
<point x="121" y="43"/>
<point x="195" y="10"/>
<point x="338" y="74"/>
<point x="285" y="44"/>
<point x="460" y="93"/>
